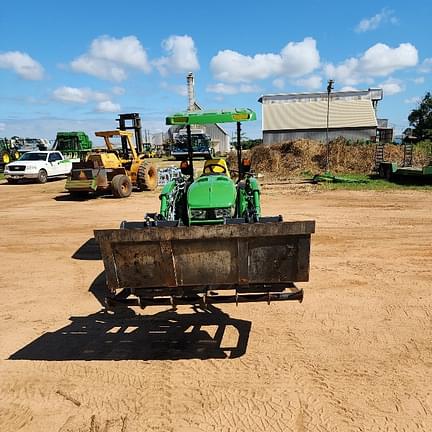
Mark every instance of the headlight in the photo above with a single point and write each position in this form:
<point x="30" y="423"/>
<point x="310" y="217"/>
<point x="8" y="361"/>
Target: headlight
<point x="6" y="167"/>
<point x="198" y="214"/>
<point x="222" y="213"/>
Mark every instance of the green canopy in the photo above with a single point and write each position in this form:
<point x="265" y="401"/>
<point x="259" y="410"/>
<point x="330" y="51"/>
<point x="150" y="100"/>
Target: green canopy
<point x="210" y="117"/>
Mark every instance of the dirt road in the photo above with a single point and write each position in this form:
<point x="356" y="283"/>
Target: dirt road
<point x="356" y="355"/>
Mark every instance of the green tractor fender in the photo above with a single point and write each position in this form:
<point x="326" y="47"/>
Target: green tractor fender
<point x="249" y="198"/>
<point x="166" y="197"/>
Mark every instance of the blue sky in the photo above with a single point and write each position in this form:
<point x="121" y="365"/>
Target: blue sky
<point x="76" y="65"/>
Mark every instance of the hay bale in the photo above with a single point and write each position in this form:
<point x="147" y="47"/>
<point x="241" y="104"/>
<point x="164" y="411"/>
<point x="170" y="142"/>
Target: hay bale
<point x="291" y="158"/>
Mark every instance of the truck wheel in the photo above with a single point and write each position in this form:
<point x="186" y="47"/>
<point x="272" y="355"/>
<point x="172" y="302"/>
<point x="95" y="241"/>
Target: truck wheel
<point x="147" y="177"/>
<point x="42" y="176"/>
<point x="121" y="186"/>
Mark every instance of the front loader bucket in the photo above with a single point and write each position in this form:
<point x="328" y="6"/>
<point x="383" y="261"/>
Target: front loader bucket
<point x="262" y="259"/>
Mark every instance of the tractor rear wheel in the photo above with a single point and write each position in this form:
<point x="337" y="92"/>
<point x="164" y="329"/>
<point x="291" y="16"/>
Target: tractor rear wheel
<point x="121" y="186"/>
<point x="147" y="177"/>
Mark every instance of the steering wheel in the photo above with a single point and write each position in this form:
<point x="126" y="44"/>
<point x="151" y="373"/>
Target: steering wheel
<point x="211" y="168"/>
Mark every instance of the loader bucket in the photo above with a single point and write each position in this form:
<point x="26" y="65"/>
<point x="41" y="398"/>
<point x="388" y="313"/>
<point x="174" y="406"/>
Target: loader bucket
<point x="262" y="259"/>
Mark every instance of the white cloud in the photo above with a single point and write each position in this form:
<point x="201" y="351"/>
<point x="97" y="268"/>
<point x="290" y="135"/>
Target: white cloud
<point x="182" y="55"/>
<point x="99" y="68"/>
<point x="419" y="80"/>
<point x="279" y="83"/>
<point x="300" y="58"/>
<point x="229" y="89"/>
<point x="180" y="89"/>
<point x="107" y="106"/>
<point x="22" y="64"/>
<point x="375" y="21"/>
<point x="382" y="60"/>
<point x="348" y="88"/>
<point x="413" y="100"/>
<point x="426" y="65"/>
<point x="314" y="82"/>
<point x="378" y="60"/>
<point x="2" y="127"/>
<point x="294" y="60"/>
<point x="391" y="87"/>
<point x="118" y="91"/>
<point x="78" y="95"/>
<point x="109" y="58"/>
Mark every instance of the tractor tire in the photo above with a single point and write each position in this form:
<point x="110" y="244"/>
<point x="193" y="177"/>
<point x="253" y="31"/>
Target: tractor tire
<point x="121" y="186"/>
<point x="42" y="176"/>
<point x="5" y="157"/>
<point x="147" y="177"/>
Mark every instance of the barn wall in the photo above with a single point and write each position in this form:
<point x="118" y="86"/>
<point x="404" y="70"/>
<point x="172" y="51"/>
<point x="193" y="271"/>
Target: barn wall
<point x="274" y="137"/>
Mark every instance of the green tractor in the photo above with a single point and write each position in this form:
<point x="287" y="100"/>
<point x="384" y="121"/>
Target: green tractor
<point x="209" y="236"/>
<point x="8" y="152"/>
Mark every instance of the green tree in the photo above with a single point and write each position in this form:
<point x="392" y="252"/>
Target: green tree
<point x="421" y="119"/>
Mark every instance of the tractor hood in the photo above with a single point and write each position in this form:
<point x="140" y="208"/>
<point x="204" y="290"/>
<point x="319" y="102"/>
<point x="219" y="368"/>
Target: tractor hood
<point x="212" y="191"/>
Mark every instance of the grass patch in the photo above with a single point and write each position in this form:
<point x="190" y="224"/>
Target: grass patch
<point x="1" y="176"/>
<point x="371" y="183"/>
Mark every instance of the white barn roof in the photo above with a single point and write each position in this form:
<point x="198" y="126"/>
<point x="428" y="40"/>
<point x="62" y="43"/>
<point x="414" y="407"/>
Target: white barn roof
<point x="308" y="111"/>
<point x="313" y="114"/>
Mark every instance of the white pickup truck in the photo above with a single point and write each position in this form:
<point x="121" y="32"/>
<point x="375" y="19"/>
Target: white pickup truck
<point x="37" y="165"/>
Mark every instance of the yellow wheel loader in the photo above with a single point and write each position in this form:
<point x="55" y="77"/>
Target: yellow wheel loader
<point x="110" y="169"/>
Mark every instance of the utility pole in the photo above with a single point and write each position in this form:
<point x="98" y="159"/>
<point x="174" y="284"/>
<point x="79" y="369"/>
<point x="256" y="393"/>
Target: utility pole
<point x="329" y="89"/>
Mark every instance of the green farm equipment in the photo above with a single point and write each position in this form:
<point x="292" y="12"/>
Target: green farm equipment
<point x="8" y="152"/>
<point x="73" y="145"/>
<point x="209" y="236"/>
<point x="391" y="171"/>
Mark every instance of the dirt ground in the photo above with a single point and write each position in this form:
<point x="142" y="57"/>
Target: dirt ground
<point x="356" y="355"/>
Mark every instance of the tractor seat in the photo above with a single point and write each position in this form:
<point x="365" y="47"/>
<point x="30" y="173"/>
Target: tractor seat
<point x="216" y="166"/>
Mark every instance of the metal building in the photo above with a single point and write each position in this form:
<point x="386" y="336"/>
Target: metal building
<point x="290" y="116"/>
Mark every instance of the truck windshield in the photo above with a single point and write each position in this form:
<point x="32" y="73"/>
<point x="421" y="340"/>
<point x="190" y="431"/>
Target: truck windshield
<point x="199" y="142"/>
<point x="33" y="156"/>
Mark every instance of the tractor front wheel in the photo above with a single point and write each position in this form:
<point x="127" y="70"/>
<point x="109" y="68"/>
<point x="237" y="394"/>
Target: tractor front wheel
<point x="121" y="186"/>
<point x="5" y="157"/>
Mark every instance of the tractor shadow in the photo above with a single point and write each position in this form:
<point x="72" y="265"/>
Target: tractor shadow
<point x="66" y="196"/>
<point x="193" y="333"/>
<point x="167" y="335"/>
<point x="88" y="251"/>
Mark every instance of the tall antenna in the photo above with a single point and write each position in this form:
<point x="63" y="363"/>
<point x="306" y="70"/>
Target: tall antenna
<point x="329" y="89"/>
<point x="191" y="91"/>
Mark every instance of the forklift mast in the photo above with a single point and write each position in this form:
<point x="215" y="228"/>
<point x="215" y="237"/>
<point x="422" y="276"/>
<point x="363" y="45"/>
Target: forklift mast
<point x="135" y="126"/>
